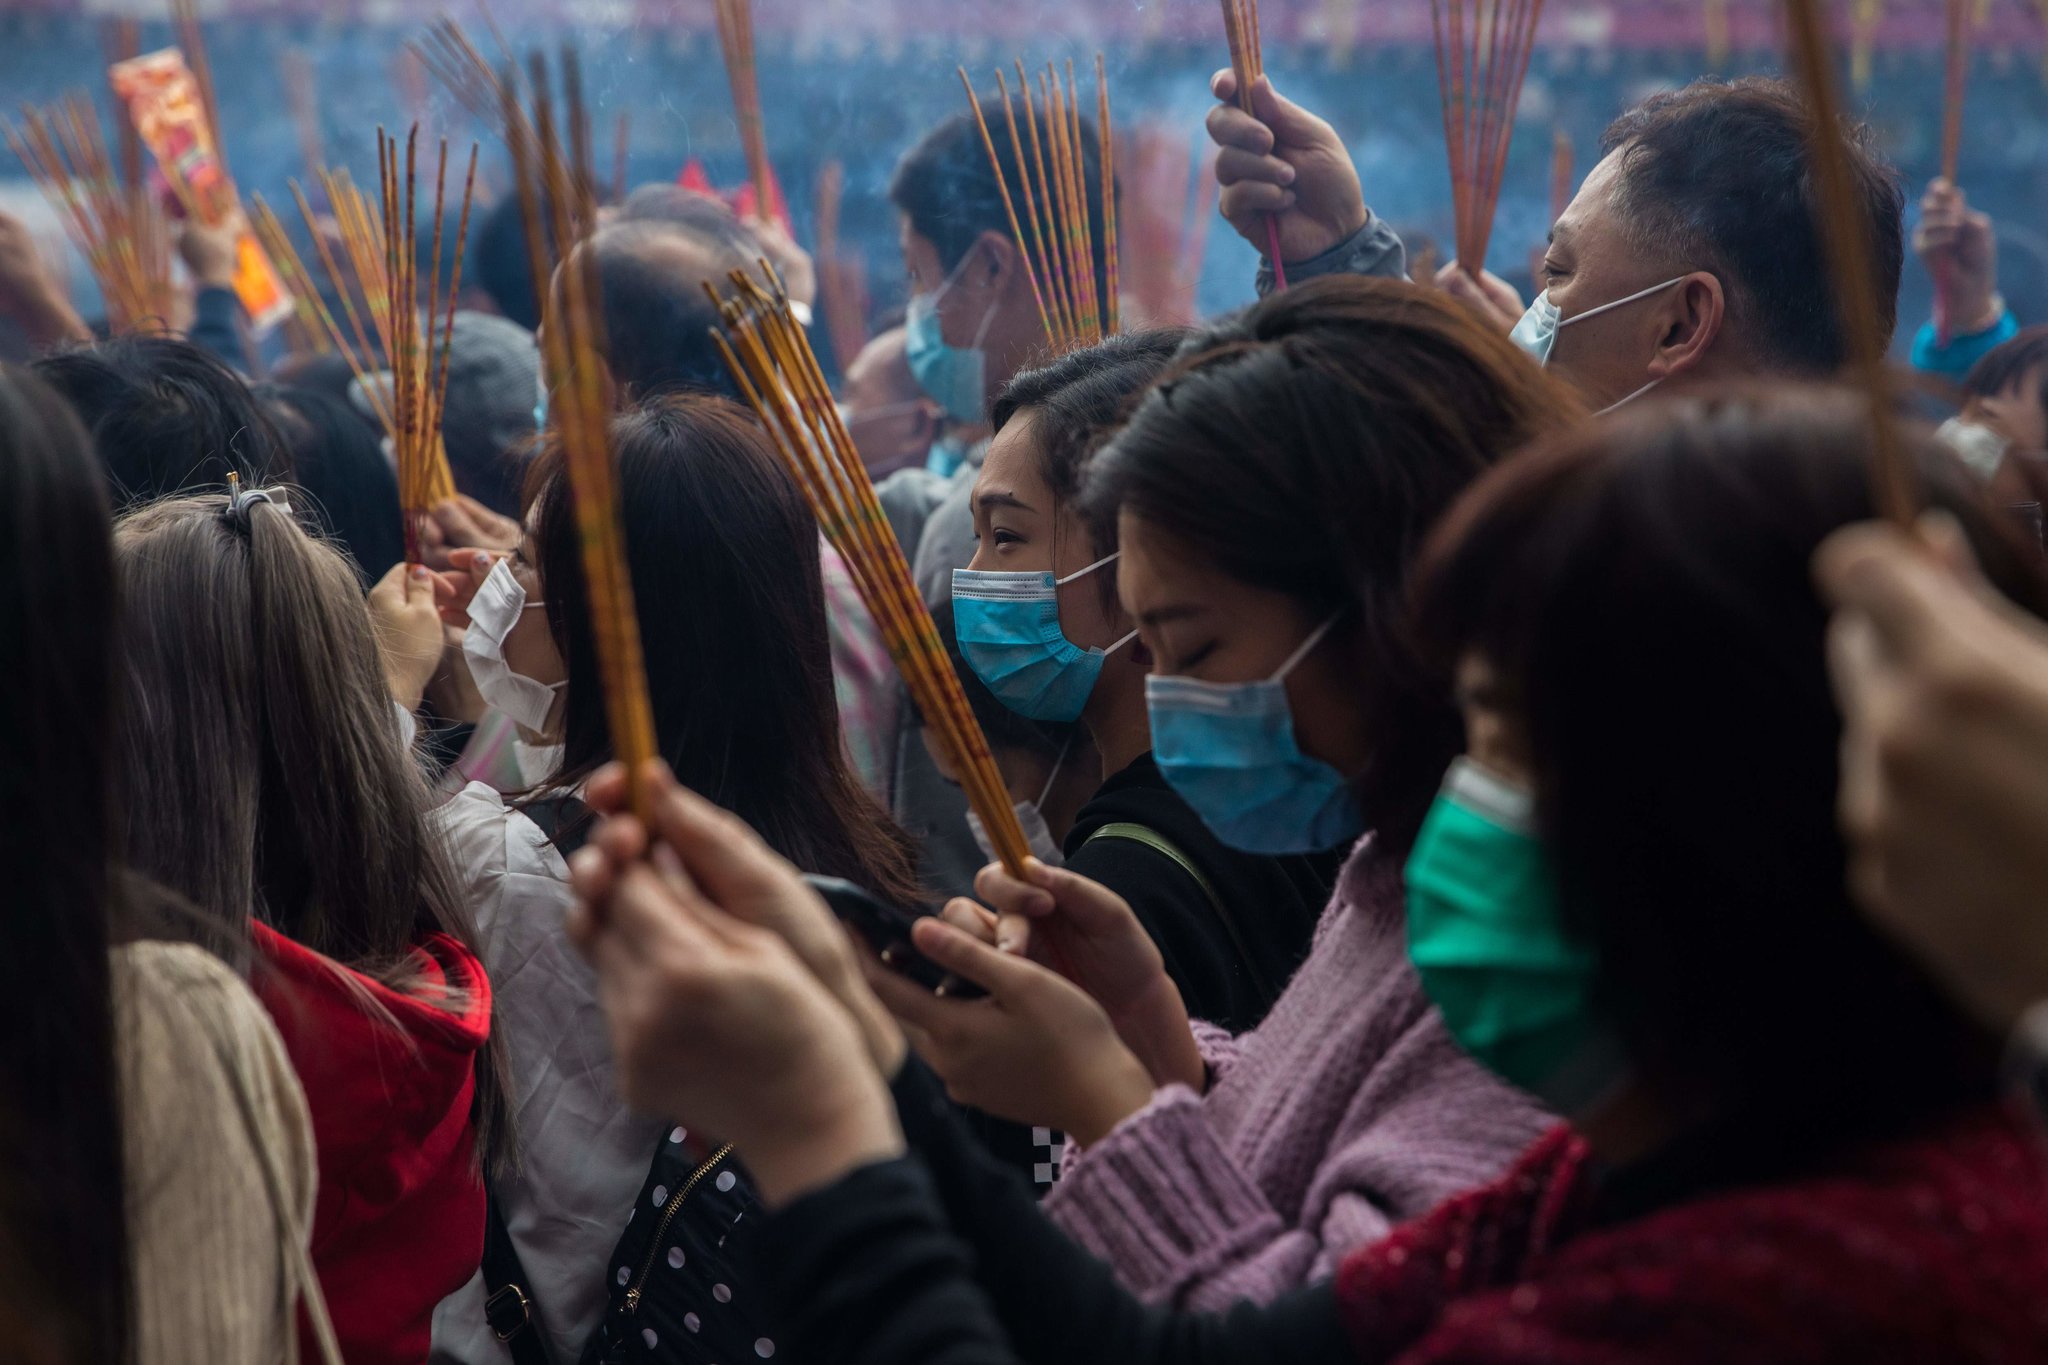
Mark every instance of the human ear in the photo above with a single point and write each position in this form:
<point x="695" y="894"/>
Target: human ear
<point x="1698" y="307"/>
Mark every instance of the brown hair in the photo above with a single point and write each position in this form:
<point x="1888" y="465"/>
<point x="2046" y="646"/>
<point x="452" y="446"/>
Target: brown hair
<point x="264" y="777"/>
<point x="723" y="555"/>
<point x="1307" y="444"/>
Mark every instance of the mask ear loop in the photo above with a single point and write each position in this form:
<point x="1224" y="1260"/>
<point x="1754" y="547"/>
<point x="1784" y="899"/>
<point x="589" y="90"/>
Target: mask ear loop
<point x="1610" y="307"/>
<point x="1083" y="573"/>
<point x="1054" y="775"/>
<point x="1315" y="637"/>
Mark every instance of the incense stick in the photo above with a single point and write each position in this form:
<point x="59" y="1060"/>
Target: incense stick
<point x="1839" y="221"/>
<point x="1482" y="55"/>
<point x="115" y="224"/>
<point x="842" y="282"/>
<point x="1955" y="75"/>
<point x="1062" y="201"/>
<point x="1247" y="64"/>
<point x="559" y="186"/>
<point x="772" y="362"/>
<point x="736" y="39"/>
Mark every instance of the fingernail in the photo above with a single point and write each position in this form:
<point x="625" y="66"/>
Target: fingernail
<point x="1287" y="200"/>
<point x="1286" y="174"/>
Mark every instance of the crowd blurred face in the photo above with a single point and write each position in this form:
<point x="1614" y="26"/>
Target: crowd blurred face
<point x="892" y="420"/>
<point x="1593" y="263"/>
<point x="984" y="304"/>
<point x="1492" y="739"/>
<point x="2014" y="412"/>
<point x="1019" y="527"/>
<point x="1198" y="622"/>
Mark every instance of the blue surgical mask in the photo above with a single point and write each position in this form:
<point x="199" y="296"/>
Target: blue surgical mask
<point x="1487" y="937"/>
<point x="1537" y="332"/>
<point x="1008" y="627"/>
<point x="955" y="377"/>
<point x="946" y="456"/>
<point x="1229" y="750"/>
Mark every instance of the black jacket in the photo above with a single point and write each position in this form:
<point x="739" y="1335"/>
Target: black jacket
<point x="1231" y="955"/>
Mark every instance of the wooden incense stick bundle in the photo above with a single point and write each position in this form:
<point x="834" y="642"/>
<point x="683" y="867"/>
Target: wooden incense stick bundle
<point x="1955" y="77"/>
<point x="309" y="330"/>
<point x="772" y="362"/>
<point x="1061" y="203"/>
<point x="736" y="39"/>
<point x="842" y="280"/>
<point x="1482" y="53"/>
<point x="378" y="265"/>
<point x="557" y="183"/>
<point x="1839" y="222"/>
<point x="112" y="220"/>
<point x="1247" y="64"/>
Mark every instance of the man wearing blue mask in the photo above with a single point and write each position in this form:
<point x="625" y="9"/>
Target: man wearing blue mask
<point x="1688" y="254"/>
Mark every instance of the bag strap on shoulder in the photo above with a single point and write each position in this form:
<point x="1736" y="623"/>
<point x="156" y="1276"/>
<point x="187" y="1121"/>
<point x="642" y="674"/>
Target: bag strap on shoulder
<point x="1148" y="837"/>
<point x="509" y="1308"/>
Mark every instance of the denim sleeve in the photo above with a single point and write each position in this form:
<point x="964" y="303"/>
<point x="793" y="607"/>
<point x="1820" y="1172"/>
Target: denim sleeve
<point x="1374" y="249"/>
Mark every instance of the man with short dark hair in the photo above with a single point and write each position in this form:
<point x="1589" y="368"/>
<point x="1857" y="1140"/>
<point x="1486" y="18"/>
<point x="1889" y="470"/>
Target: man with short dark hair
<point x="1690" y="251"/>
<point x="657" y="320"/>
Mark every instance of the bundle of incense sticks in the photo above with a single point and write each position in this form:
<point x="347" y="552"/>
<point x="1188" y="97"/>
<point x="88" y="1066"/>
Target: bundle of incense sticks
<point x="447" y="53"/>
<point x="305" y="332"/>
<point x="1894" y="484"/>
<point x="736" y="38"/>
<point x="842" y="280"/>
<point x="1482" y="53"/>
<point x="1955" y="78"/>
<point x="1247" y="64"/>
<point x="772" y="362"/>
<point x="1059" y="255"/>
<point x="558" y="184"/>
<point x="379" y="263"/>
<point x="112" y="220"/>
<point x="302" y="91"/>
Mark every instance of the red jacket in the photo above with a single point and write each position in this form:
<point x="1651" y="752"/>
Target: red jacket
<point x="400" y="1220"/>
<point x="1928" y="1250"/>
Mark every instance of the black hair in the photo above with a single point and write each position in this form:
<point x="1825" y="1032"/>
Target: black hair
<point x="723" y="555"/>
<point x="166" y="416"/>
<point x="1075" y="402"/>
<point x="1641" y="591"/>
<point x="1718" y="177"/>
<point x="947" y="189"/>
<point x="64" y="1260"/>
<point x="498" y="261"/>
<point x="657" y="319"/>
<point x="339" y="458"/>
<point x="1306" y="445"/>
<point x="2010" y="363"/>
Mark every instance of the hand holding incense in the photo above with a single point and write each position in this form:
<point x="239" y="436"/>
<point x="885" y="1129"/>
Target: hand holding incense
<point x="1247" y="65"/>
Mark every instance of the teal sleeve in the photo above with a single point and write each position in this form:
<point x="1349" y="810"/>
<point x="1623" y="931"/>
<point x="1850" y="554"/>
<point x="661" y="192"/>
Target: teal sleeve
<point x="1956" y="359"/>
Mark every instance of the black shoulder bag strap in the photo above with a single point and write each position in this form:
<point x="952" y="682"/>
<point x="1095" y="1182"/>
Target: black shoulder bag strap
<point x="509" y="1308"/>
<point x="1148" y="837"/>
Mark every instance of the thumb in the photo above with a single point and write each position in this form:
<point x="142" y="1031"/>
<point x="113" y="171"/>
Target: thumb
<point x="1289" y="121"/>
<point x="966" y="956"/>
<point x="1894" y="582"/>
<point x="422" y="586"/>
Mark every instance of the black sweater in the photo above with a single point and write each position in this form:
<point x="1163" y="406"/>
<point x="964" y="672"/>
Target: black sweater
<point x="942" y="1258"/>
<point x="1231" y="956"/>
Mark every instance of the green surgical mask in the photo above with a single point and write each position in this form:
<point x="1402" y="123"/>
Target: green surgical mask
<point x="1486" y="936"/>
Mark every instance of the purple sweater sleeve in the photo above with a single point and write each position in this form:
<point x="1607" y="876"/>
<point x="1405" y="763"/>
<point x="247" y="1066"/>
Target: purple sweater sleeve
<point x="1345" y="1113"/>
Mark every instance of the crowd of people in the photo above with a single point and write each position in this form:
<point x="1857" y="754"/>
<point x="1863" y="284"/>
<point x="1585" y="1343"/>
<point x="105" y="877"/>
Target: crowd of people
<point x="1527" y="867"/>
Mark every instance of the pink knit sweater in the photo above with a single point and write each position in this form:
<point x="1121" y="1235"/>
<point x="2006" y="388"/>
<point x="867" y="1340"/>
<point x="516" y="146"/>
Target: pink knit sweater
<point x="1348" y="1111"/>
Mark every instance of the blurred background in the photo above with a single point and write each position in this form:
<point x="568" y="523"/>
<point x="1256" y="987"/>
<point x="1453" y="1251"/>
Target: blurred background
<point x="855" y="81"/>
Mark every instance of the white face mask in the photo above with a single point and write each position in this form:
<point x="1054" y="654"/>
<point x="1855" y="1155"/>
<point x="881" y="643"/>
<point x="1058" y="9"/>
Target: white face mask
<point x="1537" y="332"/>
<point x="536" y="762"/>
<point x="493" y="612"/>
<point x="1037" y="834"/>
<point x="1975" y="444"/>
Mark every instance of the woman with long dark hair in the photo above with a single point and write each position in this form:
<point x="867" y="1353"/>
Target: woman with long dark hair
<point x="267" y="780"/>
<point x="159" y="1162"/>
<point x="723" y="555"/>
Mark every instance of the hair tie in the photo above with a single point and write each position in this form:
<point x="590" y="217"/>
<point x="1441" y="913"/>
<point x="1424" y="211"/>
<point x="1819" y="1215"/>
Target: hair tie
<point x="241" y="499"/>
